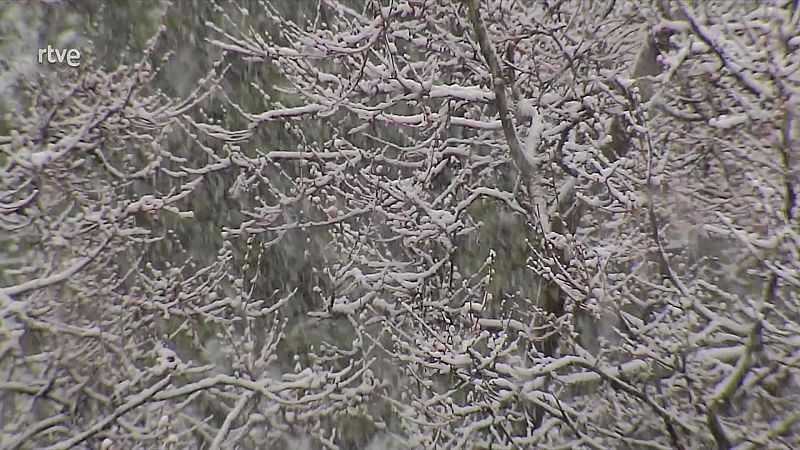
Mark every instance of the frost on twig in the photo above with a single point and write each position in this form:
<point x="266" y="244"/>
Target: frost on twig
<point x="433" y="224"/>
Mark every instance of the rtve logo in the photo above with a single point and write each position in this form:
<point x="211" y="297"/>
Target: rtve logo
<point x="71" y="56"/>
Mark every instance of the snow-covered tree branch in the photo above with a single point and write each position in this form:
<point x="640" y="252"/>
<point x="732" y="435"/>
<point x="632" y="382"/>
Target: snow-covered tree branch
<point x="421" y="224"/>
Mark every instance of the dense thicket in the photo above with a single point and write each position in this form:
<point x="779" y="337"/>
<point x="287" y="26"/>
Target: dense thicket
<point x="410" y="224"/>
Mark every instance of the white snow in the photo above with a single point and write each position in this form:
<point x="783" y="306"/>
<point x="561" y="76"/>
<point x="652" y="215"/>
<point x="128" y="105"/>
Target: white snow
<point x="725" y="122"/>
<point x="533" y="139"/>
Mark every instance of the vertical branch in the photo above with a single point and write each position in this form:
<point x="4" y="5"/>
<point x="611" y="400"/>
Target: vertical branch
<point x="552" y="298"/>
<point x="498" y="86"/>
<point x="646" y="65"/>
